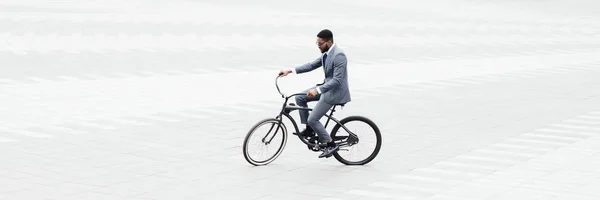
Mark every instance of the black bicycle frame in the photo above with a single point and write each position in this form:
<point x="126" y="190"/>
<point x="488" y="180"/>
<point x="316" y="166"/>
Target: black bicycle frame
<point x="285" y="110"/>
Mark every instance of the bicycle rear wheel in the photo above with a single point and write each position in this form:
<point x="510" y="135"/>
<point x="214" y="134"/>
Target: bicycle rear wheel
<point x="347" y="141"/>
<point x="273" y="128"/>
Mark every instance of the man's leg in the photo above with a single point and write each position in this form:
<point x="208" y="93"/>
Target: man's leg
<point x="302" y="100"/>
<point x="313" y="121"/>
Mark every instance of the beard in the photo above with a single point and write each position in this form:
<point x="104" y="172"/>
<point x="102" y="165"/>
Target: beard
<point x="325" y="49"/>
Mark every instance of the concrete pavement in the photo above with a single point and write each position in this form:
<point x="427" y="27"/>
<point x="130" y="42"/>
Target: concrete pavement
<point x="152" y="100"/>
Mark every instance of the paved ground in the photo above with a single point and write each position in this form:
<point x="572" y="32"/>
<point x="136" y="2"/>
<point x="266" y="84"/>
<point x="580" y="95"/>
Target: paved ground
<point x="152" y="99"/>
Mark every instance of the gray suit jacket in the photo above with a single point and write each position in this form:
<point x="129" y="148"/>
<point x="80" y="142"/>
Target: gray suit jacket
<point x="335" y="89"/>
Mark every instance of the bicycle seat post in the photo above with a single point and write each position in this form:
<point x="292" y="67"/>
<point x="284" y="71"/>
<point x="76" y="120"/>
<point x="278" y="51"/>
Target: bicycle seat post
<point x="330" y="115"/>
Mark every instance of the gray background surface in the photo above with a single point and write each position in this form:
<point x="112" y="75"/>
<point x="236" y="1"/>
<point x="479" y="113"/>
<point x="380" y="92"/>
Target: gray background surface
<point x="135" y="99"/>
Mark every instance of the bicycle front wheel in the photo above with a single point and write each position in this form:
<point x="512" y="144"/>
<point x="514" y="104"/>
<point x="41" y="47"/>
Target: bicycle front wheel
<point x="275" y="136"/>
<point x="366" y="132"/>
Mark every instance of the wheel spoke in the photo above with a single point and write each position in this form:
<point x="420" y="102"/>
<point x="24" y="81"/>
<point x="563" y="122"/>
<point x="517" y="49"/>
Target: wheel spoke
<point x="365" y="130"/>
<point x="264" y="133"/>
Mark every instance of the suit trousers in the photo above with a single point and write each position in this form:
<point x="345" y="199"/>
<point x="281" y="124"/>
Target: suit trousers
<point x="313" y="119"/>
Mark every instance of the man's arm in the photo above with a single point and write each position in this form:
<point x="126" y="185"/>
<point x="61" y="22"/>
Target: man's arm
<point x="339" y="68"/>
<point x="307" y="67"/>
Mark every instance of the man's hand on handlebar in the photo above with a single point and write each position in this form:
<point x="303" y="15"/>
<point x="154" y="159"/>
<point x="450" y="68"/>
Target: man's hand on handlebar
<point x="284" y="72"/>
<point x="312" y="93"/>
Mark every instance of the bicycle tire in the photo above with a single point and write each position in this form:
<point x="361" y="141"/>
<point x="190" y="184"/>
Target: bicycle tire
<point x="377" y="134"/>
<point x="280" y="125"/>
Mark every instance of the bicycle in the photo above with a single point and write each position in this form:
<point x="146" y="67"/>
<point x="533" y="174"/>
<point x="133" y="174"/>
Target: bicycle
<point x="311" y="142"/>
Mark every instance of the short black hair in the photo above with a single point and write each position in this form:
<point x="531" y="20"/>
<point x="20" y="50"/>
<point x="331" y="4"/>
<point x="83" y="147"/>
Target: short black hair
<point x="326" y="35"/>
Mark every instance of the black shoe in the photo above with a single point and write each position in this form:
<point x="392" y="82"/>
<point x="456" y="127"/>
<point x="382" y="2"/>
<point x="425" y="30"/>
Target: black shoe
<point x="329" y="150"/>
<point x="308" y="132"/>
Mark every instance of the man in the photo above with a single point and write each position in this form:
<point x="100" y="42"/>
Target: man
<point x="333" y="91"/>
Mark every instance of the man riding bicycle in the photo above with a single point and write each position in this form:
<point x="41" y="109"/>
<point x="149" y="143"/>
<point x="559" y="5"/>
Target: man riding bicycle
<point x="334" y="90"/>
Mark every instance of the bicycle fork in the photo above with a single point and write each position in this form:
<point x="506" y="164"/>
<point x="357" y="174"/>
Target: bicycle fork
<point x="270" y="129"/>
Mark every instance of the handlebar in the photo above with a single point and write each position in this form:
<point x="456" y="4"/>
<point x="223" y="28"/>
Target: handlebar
<point x="278" y="90"/>
<point x="277" y="86"/>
